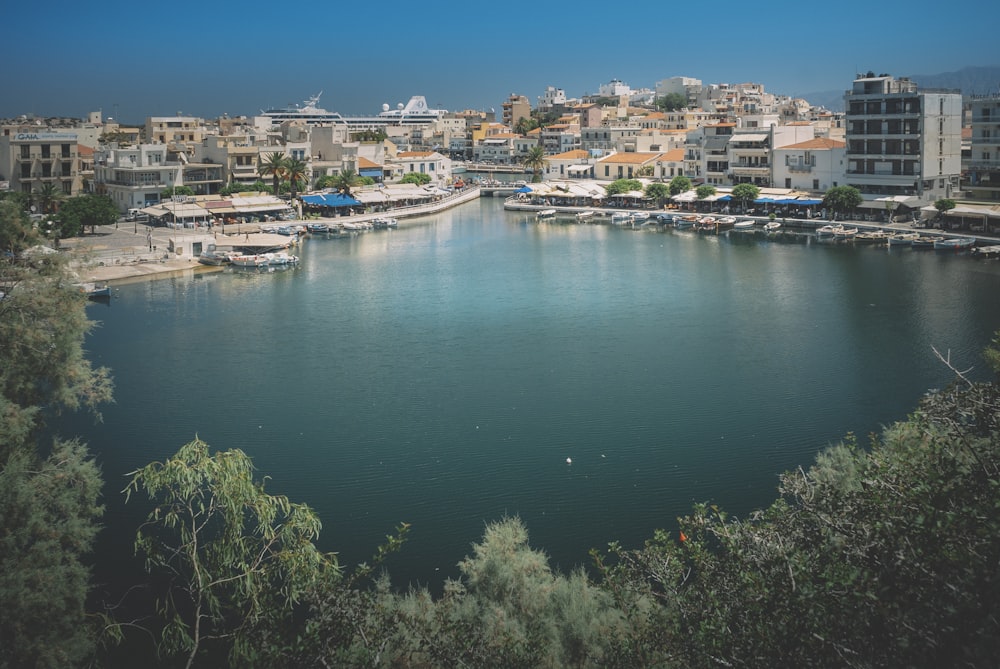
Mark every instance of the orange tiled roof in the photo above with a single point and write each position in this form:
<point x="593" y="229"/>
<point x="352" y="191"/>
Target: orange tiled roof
<point x="672" y="156"/>
<point x="635" y="158"/>
<point x="364" y="162"/>
<point x="414" y="154"/>
<point x="819" y="143"/>
<point x="575" y="154"/>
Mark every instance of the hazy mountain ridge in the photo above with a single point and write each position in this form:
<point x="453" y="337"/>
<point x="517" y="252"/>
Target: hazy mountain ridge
<point x="976" y="80"/>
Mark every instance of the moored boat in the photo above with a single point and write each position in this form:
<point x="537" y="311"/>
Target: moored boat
<point x="640" y="215"/>
<point x="827" y="230"/>
<point x="923" y="242"/>
<point x="94" y="290"/>
<point x="584" y="215"/>
<point x="249" y="260"/>
<point x="954" y="244"/>
<point x="771" y="226"/>
<point x="872" y="236"/>
<point x="845" y="233"/>
<point x="620" y="218"/>
<point x="281" y="258"/>
<point x="685" y="222"/>
<point x="546" y="213"/>
<point x="744" y="225"/>
<point x="903" y="238"/>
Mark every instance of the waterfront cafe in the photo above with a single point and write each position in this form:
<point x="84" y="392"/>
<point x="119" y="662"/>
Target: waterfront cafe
<point x="205" y="210"/>
<point x="971" y="217"/>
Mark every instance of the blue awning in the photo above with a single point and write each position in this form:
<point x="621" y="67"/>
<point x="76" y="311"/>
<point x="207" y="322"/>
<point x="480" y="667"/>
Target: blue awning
<point x="765" y="200"/>
<point x="523" y="189"/>
<point x="373" y="172"/>
<point x="725" y="198"/>
<point x="331" y="200"/>
<point x="810" y="202"/>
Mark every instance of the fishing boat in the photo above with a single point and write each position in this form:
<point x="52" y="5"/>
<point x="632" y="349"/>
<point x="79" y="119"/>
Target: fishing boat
<point x="744" y="225"/>
<point x="845" y="233"/>
<point x="872" y="236"/>
<point x="827" y="230"/>
<point x="584" y="215"/>
<point x="903" y="238"/>
<point x="640" y="215"/>
<point x="95" y="291"/>
<point x="620" y="218"/>
<point x="685" y="222"/>
<point x="771" y="226"/>
<point x="249" y="260"/>
<point x="923" y="242"/>
<point x="546" y="213"/>
<point x="280" y="258"/>
<point x="954" y="244"/>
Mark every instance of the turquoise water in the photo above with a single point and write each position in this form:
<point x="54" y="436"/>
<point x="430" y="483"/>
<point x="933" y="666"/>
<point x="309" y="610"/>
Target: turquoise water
<point x="442" y="373"/>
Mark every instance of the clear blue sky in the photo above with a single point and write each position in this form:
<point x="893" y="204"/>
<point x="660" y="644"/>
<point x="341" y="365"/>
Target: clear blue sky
<point x="141" y="59"/>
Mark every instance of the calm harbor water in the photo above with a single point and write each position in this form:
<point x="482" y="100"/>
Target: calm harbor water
<point x="442" y="373"/>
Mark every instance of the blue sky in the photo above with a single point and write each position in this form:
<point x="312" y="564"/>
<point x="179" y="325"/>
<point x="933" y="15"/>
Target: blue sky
<point x="203" y="59"/>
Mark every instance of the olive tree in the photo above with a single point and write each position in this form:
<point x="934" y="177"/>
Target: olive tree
<point x="237" y="558"/>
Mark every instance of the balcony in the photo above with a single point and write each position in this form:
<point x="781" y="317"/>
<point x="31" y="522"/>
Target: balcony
<point x="799" y="167"/>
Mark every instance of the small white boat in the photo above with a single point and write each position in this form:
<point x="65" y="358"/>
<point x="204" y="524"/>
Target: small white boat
<point x="620" y="218"/>
<point x="845" y="233"/>
<point x="827" y="230"/>
<point x="584" y="215"/>
<point x="640" y="215"/>
<point x="249" y="260"/>
<point x="281" y="258"/>
<point x="744" y="225"/>
<point x="546" y="213"/>
<point x="903" y="238"/>
<point x="771" y="226"/>
<point x="384" y="223"/>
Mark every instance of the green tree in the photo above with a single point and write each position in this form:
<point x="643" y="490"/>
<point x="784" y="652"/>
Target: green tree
<point x="48" y="487"/>
<point x="657" y="192"/>
<point x="745" y="194"/>
<point x="418" y="178"/>
<point x="272" y="165"/>
<point x="85" y="211"/>
<point x="236" y="557"/>
<point x="842" y="199"/>
<point x="48" y="198"/>
<point x="671" y="102"/>
<point x="879" y="556"/>
<point x="619" y="186"/>
<point x="704" y="191"/>
<point x="297" y="173"/>
<point x="168" y="193"/>
<point x="535" y="161"/>
<point x="345" y="181"/>
<point x="525" y="124"/>
<point x="944" y="205"/>
<point x="679" y="184"/>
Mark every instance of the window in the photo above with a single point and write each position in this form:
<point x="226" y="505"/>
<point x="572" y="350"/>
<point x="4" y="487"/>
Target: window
<point x="65" y="151"/>
<point x="25" y="151"/>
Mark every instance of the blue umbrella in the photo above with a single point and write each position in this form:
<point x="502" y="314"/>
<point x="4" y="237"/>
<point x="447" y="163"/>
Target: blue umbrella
<point x="523" y="189"/>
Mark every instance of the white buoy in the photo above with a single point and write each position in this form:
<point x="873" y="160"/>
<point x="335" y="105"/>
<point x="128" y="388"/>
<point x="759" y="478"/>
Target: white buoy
<point x="569" y="461"/>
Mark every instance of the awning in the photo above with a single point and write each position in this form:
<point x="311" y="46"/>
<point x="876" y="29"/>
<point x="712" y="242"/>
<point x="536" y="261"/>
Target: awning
<point x="749" y="137"/>
<point x="330" y="200"/>
<point x="371" y="172"/>
<point x="808" y="202"/>
<point x="579" y="169"/>
<point x="523" y="189"/>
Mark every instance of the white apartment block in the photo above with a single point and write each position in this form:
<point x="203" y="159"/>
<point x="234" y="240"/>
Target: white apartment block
<point x="551" y="98"/>
<point x="815" y="165"/>
<point x="983" y="169"/>
<point x="136" y="177"/>
<point x="902" y="140"/>
<point x="432" y="163"/>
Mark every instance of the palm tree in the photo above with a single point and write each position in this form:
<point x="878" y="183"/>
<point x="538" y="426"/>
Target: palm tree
<point x="346" y="180"/>
<point x="48" y="198"/>
<point x="295" y="171"/>
<point x="272" y="165"/>
<point x="536" y="162"/>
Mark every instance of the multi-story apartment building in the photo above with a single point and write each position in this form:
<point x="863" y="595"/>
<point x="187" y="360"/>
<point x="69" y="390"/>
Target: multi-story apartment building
<point x="552" y="97"/>
<point x="560" y="137"/>
<point x="31" y="158"/>
<point x="902" y="140"/>
<point x="983" y="175"/>
<point x="608" y="137"/>
<point x="136" y="177"/>
<point x="625" y="165"/>
<point x="514" y="109"/>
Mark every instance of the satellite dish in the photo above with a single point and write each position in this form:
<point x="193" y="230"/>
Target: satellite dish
<point x="385" y="107"/>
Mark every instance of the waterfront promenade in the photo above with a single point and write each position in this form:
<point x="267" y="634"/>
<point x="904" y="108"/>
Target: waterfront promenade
<point x="129" y="251"/>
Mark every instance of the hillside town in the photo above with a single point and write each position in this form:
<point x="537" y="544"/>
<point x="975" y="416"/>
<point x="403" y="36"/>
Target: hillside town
<point x="894" y="142"/>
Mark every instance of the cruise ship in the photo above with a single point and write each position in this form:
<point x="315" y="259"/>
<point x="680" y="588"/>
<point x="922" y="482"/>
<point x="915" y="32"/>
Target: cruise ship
<point x="414" y="112"/>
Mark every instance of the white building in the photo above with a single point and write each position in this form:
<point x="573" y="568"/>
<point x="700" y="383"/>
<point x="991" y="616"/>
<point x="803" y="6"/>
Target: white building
<point x="815" y="165"/>
<point x="901" y="140"/>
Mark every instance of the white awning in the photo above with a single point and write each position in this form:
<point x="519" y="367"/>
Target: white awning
<point x="749" y="137"/>
<point x="579" y="169"/>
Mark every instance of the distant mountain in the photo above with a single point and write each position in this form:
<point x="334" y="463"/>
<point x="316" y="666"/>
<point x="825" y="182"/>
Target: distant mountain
<point x="970" y="80"/>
